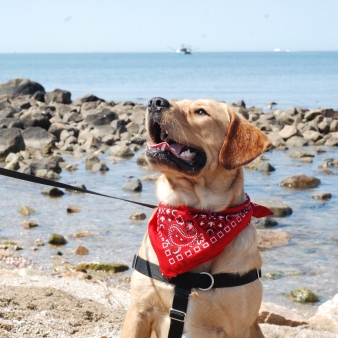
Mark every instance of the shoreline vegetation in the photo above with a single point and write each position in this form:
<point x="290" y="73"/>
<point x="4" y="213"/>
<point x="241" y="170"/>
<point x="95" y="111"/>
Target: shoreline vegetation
<point x="38" y="128"/>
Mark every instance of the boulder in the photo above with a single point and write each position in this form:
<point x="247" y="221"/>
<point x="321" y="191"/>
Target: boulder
<point x="49" y="164"/>
<point x="81" y="250"/>
<point x="20" y="86"/>
<point x="303" y="295"/>
<point x="322" y="196"/>
<point x="134" y="185"/>
<point x="310" y="115"/>
<point x="267" y="239"/>
<point x="332" y="141"/>
<point x="91" y="160"/>
<point x="100" y="166"/>
<point x="52" y="191"/>
<point x="264" y="222"/>
<point x="266" y="167"/>
<point x="10" y="123"/>
<point x="104" y="117"/>
<point x="271" y="313"/>
<point x="36" y="138"/>
<point x="278" y="208"/>
<point x="139" y="216"/>
<point x="57" y="239"/>
<point x="121" y="151"/>
<point x="288" y="131"/>
<point x="300" y="182"/>
<point x="326" y="317"/>
<point x="296" y="141"/>
<point x="58" y="96"/>
<point x="35" y="118"/>
<point x="334" y="126"/>
<point x="299" y="153"/>
<point x="25" y="210"/>
<point x="11" y="141"/>
<point x="87" y="98"/>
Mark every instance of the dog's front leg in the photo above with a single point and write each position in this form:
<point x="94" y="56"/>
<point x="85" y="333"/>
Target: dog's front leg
<point x="136" y="325"/>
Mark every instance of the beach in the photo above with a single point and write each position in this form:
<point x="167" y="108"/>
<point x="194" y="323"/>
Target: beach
<point x="99" y="144"/>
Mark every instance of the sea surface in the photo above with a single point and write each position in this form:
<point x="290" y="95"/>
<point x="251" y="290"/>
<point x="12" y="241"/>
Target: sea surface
<point x="307" y="80"/>
<point x="303" y="79"/>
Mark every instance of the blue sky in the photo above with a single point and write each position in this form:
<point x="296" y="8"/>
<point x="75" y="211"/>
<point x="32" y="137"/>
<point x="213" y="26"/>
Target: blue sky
<point x="38" y="26"/>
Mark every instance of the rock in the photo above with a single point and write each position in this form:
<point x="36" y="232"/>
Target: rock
<point x="52" y="191"/>
<point x="101" y="166"/>
<point x="87" y="98"/>
<point x="36" y="138"/>
<point x="25" y="210"/>
<point x="142" y="160"/>
<point x="35" y="118"/>
<point x="303" y="295"/>
<point x="134" y="185"/>
<point x="71" y="210"/>
<point x="91" y="160"/>
<point x="105" y="117"/>
<point x="267" y="239"/>
<point x="300" y="182"/>
<point x="266" y="167"/>
<point x="322" y="196"/>
<point x="277" y="331"/>
<point x="326" y="317"/>
<point x="334" y="126"/>
<point x="11" y="141"/>
<point x="271" y="313"/>
<point x="288" y="131"/>
<point x="51" y="164"/>
<point x="264" y="222"/>
<point x="106" y="267"/>
<point x="57" y="239"/>
<point x="39" y="242"/>
<point x="310" y="115"/>
<point x="81" y="250"/>
<point x="152" y="177"/>
<point x="27" y="224"/>
<point x="20" y="86"/>
<point x="332" y="141"/>
<point x="84" y="233"/>
<point x="278" y="208"/>
<point x="139" y="216"/>
<point x="39" y="96"/>
<point x="312" y="135"/>
<point x="10" y="123"/>
<point x="306" y="160"/>
<point x="13" y="165"/>
<point x="76" y="274"/>
<point x="58" y="96"/>
<point x="121" y="151"/>
<point x="296" y="141"/>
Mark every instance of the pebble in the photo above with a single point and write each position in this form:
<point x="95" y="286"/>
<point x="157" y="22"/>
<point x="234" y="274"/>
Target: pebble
<point x="25" y="210"/>
<point x="322" y="196"/>
<point x="72" y="209"/>
<point x="139" y="216"/>
<point x="83" y="233"/>
<point x="27" y="224"/>
<point x="81" y="250"/>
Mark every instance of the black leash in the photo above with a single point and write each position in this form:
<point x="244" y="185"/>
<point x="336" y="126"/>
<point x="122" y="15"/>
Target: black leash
<point x="44" y="181"/>
<point x="187" y="281"/>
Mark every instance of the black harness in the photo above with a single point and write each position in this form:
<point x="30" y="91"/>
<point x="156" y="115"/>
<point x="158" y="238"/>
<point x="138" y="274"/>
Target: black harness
<point x="187" y="281"/>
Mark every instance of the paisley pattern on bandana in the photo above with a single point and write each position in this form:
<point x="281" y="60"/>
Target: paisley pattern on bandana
<point x="184" y="238"/>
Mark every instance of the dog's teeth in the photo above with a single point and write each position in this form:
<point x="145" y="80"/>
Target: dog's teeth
<point x="163" y="147"/>
<point x="187" y="153"/>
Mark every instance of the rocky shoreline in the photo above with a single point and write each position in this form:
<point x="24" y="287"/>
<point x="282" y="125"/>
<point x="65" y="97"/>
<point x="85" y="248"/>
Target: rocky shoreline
<point x="37" y="129"/>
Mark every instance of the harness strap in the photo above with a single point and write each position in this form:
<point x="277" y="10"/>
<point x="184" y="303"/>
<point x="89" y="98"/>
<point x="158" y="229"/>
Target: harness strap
<point x="178" y="312"/>
<point x="192" y="280"/>
<point x="187" y="281"/>
<point x="44" y="181"/>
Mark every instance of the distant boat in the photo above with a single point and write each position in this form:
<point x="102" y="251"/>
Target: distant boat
<point x="184" y="50"/>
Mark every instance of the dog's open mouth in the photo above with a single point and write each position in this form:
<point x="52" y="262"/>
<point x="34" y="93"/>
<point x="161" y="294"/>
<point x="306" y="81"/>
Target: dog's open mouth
<point x="165" y="150"/>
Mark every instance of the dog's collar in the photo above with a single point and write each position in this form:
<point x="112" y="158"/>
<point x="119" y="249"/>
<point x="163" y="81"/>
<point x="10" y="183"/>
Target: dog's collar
<point x="184" y="238"/>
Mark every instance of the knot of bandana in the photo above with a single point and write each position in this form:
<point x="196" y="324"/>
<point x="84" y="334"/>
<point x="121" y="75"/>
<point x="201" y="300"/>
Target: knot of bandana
<point x="184" y="237"/>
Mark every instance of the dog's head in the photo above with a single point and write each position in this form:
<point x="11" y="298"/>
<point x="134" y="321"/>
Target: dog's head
<point x="190" y="136"/>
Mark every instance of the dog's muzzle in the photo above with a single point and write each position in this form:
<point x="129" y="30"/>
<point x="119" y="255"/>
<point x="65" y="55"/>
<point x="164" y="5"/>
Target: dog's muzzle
<point x="158" y="105"/>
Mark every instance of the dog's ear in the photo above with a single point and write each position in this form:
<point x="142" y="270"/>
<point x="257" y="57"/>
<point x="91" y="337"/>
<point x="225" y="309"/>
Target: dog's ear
<point x="243" y="143"/>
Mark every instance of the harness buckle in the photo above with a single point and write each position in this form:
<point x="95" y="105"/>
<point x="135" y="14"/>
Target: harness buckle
<point x="212" y="281"/>
<point x="177" y="315"/>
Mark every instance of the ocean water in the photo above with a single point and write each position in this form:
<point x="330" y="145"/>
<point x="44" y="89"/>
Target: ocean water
<point x="308" y="80"/>
<point x="303" y="79"/>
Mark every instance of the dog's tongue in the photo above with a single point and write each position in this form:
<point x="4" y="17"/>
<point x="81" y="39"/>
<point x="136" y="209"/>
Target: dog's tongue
<point x="174" y="148"/>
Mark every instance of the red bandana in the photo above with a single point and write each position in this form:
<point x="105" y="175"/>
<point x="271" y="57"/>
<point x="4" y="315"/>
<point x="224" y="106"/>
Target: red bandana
<point x="184" y="238"/>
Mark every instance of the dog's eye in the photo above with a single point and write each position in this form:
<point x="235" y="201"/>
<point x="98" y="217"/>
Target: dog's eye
<point x="201" y="112"/>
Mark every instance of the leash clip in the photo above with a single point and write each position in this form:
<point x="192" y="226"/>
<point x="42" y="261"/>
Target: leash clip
<point x="212" y="281"/>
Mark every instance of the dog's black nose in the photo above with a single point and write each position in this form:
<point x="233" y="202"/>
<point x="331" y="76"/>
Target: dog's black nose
<point x="158" y="104"/>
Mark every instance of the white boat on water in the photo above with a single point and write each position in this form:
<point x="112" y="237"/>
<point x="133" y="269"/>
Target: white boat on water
<point x="184" y="50"/>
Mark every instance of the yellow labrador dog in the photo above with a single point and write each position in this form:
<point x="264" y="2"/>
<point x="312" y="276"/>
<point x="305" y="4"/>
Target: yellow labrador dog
<point x="205" y="173"/>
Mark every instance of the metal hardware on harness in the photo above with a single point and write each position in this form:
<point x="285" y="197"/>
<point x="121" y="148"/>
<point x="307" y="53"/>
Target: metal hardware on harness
<point x="212" y="281"/>
<point x="174" y="312"/>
